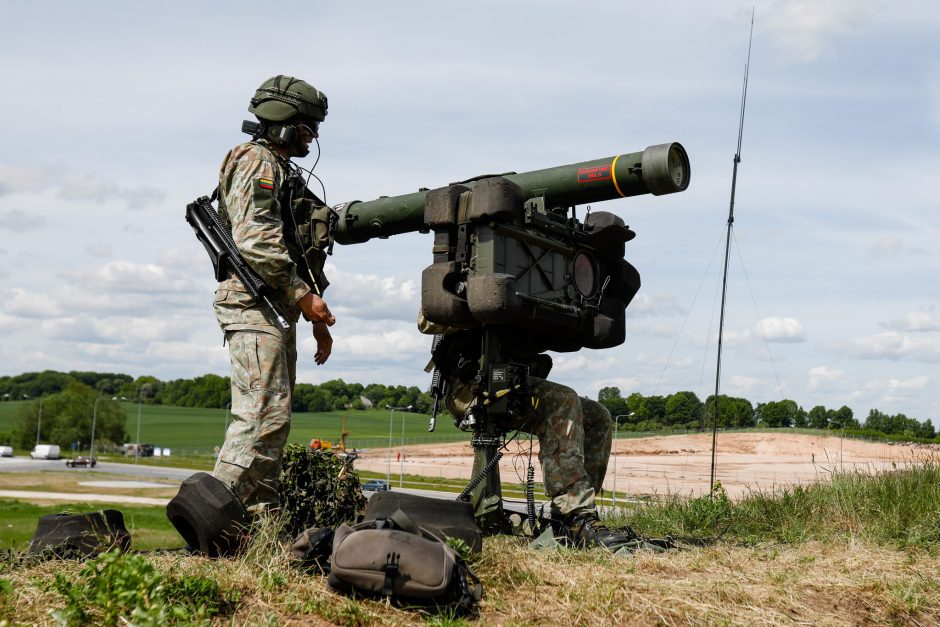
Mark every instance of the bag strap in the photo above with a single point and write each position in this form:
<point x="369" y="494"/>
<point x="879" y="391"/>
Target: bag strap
<point x="404" y="522"/>
<point x="469" y="587"/>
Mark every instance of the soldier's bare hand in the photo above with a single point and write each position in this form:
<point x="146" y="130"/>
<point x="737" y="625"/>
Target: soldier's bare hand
<point x="315" y="309"/>
<point x="321" y="333"/>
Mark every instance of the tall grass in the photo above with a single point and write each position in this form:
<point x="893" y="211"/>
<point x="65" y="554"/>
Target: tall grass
<point x="899" y="508"/>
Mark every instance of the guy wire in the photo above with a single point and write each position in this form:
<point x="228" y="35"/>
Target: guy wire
<point x="688" y="313"/>
<point x="760" y="322"/>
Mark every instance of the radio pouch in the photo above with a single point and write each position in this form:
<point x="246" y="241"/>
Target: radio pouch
<point x="395" y="558"/>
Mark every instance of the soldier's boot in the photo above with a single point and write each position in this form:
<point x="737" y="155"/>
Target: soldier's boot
<point x="586" y="530"/>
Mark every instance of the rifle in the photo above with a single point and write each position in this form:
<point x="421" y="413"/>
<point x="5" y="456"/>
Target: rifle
<point x="216" y="238"/>
<point x="438" y="385"/>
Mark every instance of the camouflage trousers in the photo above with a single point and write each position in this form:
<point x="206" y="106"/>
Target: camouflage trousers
<point x="263" y="372"/>
<point x="574" y="441"/>
<point x="574" y="445"/>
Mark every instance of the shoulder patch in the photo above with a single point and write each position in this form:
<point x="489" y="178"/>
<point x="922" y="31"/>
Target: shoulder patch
<point x="266" y="183"/>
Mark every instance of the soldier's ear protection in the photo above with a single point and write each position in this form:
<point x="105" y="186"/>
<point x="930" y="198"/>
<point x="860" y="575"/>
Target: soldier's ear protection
<point x="285" y="134"/>
<point x="278" y="133"/>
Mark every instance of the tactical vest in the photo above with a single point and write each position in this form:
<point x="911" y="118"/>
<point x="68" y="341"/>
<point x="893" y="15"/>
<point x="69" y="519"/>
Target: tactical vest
<point x="307" y="231"/>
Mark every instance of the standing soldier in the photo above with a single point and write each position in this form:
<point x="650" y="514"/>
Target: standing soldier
<point x="281" y="230"/>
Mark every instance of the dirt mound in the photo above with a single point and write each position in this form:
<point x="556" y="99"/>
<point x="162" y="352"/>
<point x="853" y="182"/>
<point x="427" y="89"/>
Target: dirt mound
<point x="681" y="464"/>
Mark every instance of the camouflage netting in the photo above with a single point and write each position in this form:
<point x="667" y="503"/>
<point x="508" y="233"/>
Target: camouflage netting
<point x="318" y="489"/>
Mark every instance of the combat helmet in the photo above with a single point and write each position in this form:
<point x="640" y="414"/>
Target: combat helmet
<point x="284" y="97"/>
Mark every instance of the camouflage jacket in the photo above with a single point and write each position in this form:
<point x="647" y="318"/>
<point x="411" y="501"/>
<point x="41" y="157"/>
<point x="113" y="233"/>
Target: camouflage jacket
<point x="251" y="182"/>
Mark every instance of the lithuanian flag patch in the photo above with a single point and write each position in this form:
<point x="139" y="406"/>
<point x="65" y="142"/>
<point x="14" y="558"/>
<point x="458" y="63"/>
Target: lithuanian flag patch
<point x="265" y="183"/>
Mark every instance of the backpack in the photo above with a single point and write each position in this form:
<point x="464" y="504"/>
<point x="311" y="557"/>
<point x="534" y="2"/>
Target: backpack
<point x="395" y="558"/>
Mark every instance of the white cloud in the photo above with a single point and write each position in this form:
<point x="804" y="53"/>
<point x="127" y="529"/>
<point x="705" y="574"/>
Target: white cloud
<point x="209" y="358"/>
<point x="75" y="186"/>
<point x="780" y="330"/>
<point x="896" y="346"/>
<point x="802" y="30"/>
<point x="24" y="179"/>
<point x="823" y="377"/>
<point x="894" y="385"/>
<point x="21" y="303"/>
<point x="887" y="247"/>
<point x="654" y="306"/>
<point x="916" y="321"/>
<point x="128" y="276"/>
<point x="371" y="296"/>
<point x="98" y="250"/>
<point x="17" y="220"/>
<point x="783" y="330"/>
<point x="739" y="383"/>
<point x="392" y="345"/>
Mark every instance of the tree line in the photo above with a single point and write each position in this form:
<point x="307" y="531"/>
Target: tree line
<point x="685" y="411"/>
<point x="68" y="400"/>
<point x="211" y="391"/>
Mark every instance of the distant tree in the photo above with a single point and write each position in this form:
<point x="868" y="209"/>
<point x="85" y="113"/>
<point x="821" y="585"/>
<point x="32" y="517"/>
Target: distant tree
<point x="683" y="409"/>
<point x="67" y="417"/>
<point x="777" y="413"/>
<point x="652" y="409"/>
<point x="31" y="385"/>
<point x="733" y="412"/>
<point x="927" y="430"/>
<point x="843" y="417"/>
<point x="818" y="418"/>
<point x="375" y="392"/>
<point x="876" y="421"/>
<point x="801" y="418"/>
<point x="610" y="398"/>
<point x="632" y="409"/>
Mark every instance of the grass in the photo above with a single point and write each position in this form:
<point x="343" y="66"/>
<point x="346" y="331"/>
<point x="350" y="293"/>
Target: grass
<point x="188" y="429"/>
<point x="148" y="526"/>
<point x="861" y="549"/>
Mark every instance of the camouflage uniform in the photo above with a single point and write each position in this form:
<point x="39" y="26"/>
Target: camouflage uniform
<point x="574" y="445"/>
<point x="263" y="355"/>
<point x="574" y="441"/>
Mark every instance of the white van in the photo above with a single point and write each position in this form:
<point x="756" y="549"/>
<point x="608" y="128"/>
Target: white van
<point x="46" y="451"/>
<point x="6" y="451"/>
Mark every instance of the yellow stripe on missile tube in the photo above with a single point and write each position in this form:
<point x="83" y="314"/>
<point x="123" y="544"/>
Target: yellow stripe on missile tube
<point x="613" y="175"/>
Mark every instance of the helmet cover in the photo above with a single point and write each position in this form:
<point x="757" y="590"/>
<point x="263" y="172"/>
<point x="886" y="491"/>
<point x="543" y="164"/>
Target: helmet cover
<point x="281" y="98"/>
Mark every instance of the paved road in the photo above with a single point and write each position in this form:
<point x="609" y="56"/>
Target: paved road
<point x="25" y="464"/>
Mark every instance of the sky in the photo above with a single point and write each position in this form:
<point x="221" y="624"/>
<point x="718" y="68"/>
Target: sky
<point x="119" y="113"/>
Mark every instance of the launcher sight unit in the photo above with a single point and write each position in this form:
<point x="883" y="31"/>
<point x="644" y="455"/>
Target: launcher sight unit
<point x="512" y="260"/>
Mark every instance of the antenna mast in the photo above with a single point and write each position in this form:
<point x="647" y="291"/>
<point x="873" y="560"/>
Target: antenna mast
<point x="724" y="280"/>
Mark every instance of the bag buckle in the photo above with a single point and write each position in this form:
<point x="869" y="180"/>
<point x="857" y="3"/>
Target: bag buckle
<point x="391" y="573"/>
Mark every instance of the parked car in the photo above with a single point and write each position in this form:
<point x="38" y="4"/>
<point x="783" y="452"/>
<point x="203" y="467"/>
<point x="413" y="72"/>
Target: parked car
<point x="375" y="485"/>
<point x="6" y="451"/>
<point x="81" y="460"/>
<point x="46" y="451"/>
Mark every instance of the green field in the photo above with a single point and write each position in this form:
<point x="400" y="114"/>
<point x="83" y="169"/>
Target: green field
<point x="148" y="526"/>
<point x="184" y="429"/>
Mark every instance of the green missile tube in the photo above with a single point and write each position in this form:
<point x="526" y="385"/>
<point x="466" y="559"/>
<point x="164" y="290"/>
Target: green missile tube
<point x="660" y="169"/>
